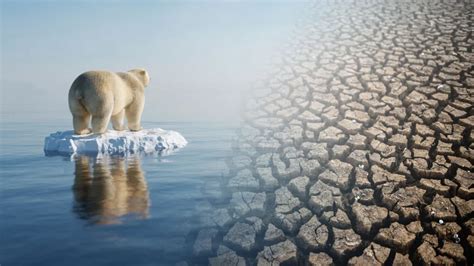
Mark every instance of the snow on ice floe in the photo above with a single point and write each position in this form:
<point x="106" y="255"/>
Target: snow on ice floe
<point x="114" y="142"/>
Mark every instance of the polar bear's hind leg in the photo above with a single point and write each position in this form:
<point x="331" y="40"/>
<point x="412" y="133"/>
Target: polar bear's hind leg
<point x="81" y="124"/>
<point x="100" y="123"/>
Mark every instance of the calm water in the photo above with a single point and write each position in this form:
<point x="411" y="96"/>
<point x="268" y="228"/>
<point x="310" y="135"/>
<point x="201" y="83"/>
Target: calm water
<point x="112" y="211"/>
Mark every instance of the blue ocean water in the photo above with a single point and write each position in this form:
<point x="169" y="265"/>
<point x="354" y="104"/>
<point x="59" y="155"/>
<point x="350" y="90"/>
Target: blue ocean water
<point x="111" y="211"/>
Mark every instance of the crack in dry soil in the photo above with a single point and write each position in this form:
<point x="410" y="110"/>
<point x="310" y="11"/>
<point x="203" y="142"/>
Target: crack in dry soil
<point x="374" y="106"/>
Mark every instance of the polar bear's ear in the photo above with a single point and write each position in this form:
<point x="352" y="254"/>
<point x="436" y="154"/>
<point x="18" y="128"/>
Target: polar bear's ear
<point x="144" y="76"/>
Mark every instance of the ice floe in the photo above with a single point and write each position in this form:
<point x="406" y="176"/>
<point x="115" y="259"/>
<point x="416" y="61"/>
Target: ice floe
<point x="114" y="142"/>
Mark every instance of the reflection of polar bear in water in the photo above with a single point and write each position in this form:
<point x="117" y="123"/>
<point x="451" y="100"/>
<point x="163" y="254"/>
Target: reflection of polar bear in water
<point x="111" y="190"/>
<point x="107" y="96"/>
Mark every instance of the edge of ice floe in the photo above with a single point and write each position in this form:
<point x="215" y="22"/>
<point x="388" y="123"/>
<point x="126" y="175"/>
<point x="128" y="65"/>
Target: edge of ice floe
<point x="147" y="141"/>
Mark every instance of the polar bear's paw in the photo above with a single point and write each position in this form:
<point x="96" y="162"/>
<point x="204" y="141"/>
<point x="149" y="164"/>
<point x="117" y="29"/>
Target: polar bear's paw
<point x="136" y="129"/>
<point x="84" y="132"/>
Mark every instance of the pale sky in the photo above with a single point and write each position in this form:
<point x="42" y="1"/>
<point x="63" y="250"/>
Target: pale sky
<point x="201" y="56"/>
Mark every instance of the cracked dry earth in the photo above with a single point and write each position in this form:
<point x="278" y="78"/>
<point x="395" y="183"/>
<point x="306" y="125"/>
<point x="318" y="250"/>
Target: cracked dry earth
<point x="359" y="149"/>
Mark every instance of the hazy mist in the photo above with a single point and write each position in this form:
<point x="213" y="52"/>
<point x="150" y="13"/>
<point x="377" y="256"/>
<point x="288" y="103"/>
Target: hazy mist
<point x="201" y="56"/>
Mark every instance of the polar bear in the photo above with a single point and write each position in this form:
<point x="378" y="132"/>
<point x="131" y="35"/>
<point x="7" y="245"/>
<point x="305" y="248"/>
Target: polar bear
<point x="106" y="96"/>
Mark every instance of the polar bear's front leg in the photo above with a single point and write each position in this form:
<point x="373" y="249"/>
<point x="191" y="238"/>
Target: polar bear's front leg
<point x="134" y="115"/>
<point x="117" y="121"/>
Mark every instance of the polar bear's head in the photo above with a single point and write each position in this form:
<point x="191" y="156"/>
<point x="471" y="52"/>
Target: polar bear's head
<point x="142" y="75"/>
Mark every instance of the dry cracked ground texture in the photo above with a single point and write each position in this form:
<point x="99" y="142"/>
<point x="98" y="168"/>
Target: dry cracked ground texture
<point x="359" y="149"/>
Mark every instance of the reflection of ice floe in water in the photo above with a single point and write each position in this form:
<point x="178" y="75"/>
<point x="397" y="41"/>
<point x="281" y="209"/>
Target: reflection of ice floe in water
<point x="114" y="142"/>
<point x="109" y="188"/>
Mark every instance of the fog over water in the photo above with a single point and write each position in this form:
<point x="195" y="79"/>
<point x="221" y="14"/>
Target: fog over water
<point x="201" y="56"/>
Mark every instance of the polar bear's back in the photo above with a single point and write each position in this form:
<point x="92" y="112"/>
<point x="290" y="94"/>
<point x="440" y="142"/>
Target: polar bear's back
<point x="98" y="89"/>
<point x="95" y="81"/>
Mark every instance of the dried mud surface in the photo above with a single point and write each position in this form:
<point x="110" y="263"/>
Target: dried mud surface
<point x="359" y="148"/>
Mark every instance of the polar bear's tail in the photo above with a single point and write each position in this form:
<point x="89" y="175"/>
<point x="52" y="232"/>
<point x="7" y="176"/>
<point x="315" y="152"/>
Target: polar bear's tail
<point x="78" y="95"/>
<point x="76" y="100"/>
